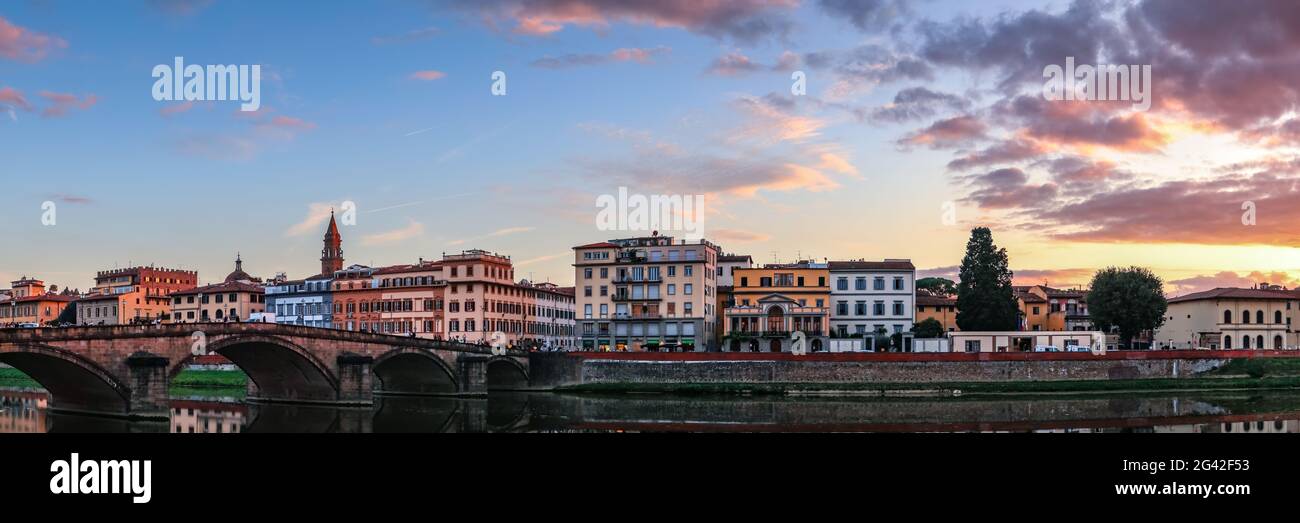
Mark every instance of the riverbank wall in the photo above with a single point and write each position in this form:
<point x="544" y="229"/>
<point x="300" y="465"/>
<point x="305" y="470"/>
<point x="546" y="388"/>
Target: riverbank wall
<point x="570" y="370"/>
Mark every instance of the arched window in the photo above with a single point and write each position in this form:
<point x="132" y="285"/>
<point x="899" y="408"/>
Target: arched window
<point x="1277" y="342"/>
<point x="1259" y="316"/>
<point x="1277" y="317"/>
<point x="1259" y="342"/>
<point x="1245" y="316"/>
<point x="1227" y="343"/>
<point x="1245" y="342"/>
<point x="1227" y="316"/>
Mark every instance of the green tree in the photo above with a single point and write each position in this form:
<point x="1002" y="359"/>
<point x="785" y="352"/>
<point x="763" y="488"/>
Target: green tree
<point x="938" y="286"/>
<point x="985" y="301"/>
<point x="1131" y="299"/>
<point x="927" y="328"/>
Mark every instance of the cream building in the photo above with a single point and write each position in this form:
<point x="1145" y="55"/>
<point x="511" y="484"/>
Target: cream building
<point x="1230" y="319"/>
<point x="647" y="293"/>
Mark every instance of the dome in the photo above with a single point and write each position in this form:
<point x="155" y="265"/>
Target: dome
<point x="238" y="274"/>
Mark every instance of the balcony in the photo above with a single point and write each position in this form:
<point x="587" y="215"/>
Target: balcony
<point x="624" y="297"/>
<point x="646" y="279"/>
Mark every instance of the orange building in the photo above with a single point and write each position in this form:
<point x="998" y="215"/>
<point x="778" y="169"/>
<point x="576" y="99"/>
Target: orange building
<point x="1044" y="308"/>
<point x="132" y="295"/>
<point x="28" y="302"/>
<point x="772" y="302"/>
<point x="411" y="300"/>
<point x="356" y="299"/>
<point x="942" y="309"/>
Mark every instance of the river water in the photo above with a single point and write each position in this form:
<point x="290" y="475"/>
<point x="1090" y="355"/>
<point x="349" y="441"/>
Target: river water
<point x="26" y="411"/>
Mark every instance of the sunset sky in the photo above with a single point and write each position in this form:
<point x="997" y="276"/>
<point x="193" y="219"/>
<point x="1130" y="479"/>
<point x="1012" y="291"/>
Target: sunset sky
<point x="909" y="104"/>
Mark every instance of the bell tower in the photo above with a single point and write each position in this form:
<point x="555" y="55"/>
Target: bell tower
<point x="331" y="257"/>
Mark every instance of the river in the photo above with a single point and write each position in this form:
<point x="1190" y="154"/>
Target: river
<point x="26" y="411"/>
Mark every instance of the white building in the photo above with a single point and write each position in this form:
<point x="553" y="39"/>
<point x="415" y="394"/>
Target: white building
<point x="727" y="265"/>
<point x="1230" y="318"/>
<point x="868" y="295"/>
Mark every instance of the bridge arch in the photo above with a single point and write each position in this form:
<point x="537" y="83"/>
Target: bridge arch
<point x="505" y="373"/>
<point x="280" y="369"/>
<point x="73" y="381"/>
<point x="411" y="370"/>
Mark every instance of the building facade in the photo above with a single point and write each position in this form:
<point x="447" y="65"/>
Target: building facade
<point x="1044" y="308"/>
<point x="770" y="303"/>
<point x="354" y="296"/>
<point x="411" y="300"/>
<point x="235" y="299"/>
<point x="27" y="302"/>
<point x="550" y="320"/>
<point x="870" y="296"/>
<point x="942" y="309"/>
<point x="648" y="293"/>
<point x="306" y="302"/>
<point x="132" y="295"/>
<point x="1230" y="319"/>
<point x="727" y="265"/>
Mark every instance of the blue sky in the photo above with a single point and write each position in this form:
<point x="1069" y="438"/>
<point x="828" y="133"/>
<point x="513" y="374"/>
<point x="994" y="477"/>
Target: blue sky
<point x="441" y="165"/>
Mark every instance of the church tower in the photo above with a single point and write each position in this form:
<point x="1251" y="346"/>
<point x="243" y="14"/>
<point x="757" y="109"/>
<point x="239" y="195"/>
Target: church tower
<point x="331" y="257"/>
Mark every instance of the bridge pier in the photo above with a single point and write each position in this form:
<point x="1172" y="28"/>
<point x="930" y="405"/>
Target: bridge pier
<point x="149" y="384"/>
<point x="473" y="374"/>
<point x="356" y="383"/>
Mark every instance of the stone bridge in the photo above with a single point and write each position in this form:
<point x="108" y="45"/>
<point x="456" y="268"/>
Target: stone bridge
<point x="126" y="370"/>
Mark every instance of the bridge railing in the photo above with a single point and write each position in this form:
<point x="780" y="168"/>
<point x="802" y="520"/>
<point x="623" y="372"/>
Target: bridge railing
<point x="90" y="332"/>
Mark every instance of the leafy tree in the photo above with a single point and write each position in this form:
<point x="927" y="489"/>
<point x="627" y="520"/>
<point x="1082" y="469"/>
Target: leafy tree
<point x="1131" y="299"/>
<point x="927" y="328"/>
<point x="937" y="286"/>
<point x="985" y="301"/>
<point x="881" y="339"/>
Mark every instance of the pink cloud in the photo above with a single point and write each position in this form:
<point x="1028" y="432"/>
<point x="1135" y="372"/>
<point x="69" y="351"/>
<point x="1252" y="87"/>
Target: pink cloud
<point x="176" y="108"/>
<point x="747" y="20"/>
<point x="428" y="75"/>
<point x="25" y="45"/>
<point x="290" y="122"/>
<point x="12" y="96"/>
<point x="63" y="102"/>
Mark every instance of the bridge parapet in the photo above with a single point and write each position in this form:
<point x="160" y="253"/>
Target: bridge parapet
<point x="126" y="369"/>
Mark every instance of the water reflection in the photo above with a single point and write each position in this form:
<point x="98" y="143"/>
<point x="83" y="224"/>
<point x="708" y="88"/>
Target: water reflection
<point x="27" y="411"/>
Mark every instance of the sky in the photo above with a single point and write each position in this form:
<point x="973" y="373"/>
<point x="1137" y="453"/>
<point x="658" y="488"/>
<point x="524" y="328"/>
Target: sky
<point x="918" y="121"/>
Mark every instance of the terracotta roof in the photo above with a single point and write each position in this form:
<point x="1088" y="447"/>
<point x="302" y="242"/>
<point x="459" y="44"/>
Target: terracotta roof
<point x="1029" y="297"/>
<point x="43" y="297"/>
<point x="230" y="286"/>
<point x="1232" y="293"/>
<point x="872" y="265"/>
<point x="596" y="245"/>
<point x="933" y="300"/>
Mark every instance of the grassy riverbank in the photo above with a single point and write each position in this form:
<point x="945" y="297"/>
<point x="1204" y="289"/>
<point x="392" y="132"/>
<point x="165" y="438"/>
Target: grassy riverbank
<point x="187" y="383"/>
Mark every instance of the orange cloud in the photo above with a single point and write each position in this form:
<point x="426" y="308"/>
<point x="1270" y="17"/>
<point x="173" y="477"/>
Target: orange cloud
<point x="428" y="75"/>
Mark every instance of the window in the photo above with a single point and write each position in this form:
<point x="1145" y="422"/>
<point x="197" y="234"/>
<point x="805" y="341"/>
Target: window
<point x="842" y="284"/>
<point x="878" y="308"/>
<point x="1277" y="316"/>
<point x="898" y="308"/>
<point x="842" y="308"/>
<point x="1259" y="316"/>
<point x="879" y="283"/>
<point x="1227" y="317"/>
<point x="860" y="308"/>
<point x="1245" y="318"/>
<point x="687" y="289"/>
<point x="898" y="283"/>
<point x="860" y="284"/>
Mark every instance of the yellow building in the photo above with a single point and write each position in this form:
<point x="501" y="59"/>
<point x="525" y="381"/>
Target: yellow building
<point x="28" y="303"/>
<point x="234" y="300"/>
<point x="942" y="309"/>
<point x="770" y="303"/>
<point x="1044" y="308"/>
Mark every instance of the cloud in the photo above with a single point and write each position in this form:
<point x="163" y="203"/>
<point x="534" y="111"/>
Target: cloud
<point x="494" y="234"/>
<point x="916" y="103"/>
<point x="947" y="133"/>
<point x="737" y="235"/>
<point x="1080" y="124"/>
<point x="428" y="75"/>
<point x="539" y="259"/>
<point x="73" y="199"/>
<point x="1054" y="277"/>
<point x="266" y="129"/>
<point x="741" y="20"/>
<point x="1220" y="279"/>
<point x="1009" y="151"/>
<point x="733" y="64"/>
<point x="867" y="15"/>
<point x="1008" y="188"/>
<point x="317" y="214"/>
<point x="180" y="7"/>
<point x="15" y="98"/>
<point x="772" y="119"/>
<point x="413" y="229"/>
<point x="624" y="54"/>
<point x="407" y="37"/>
<point x="289" y="122"/>
<point x="25" y="45"/>
<point x="61" y="103"/>
<point x="179" y="108"/>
